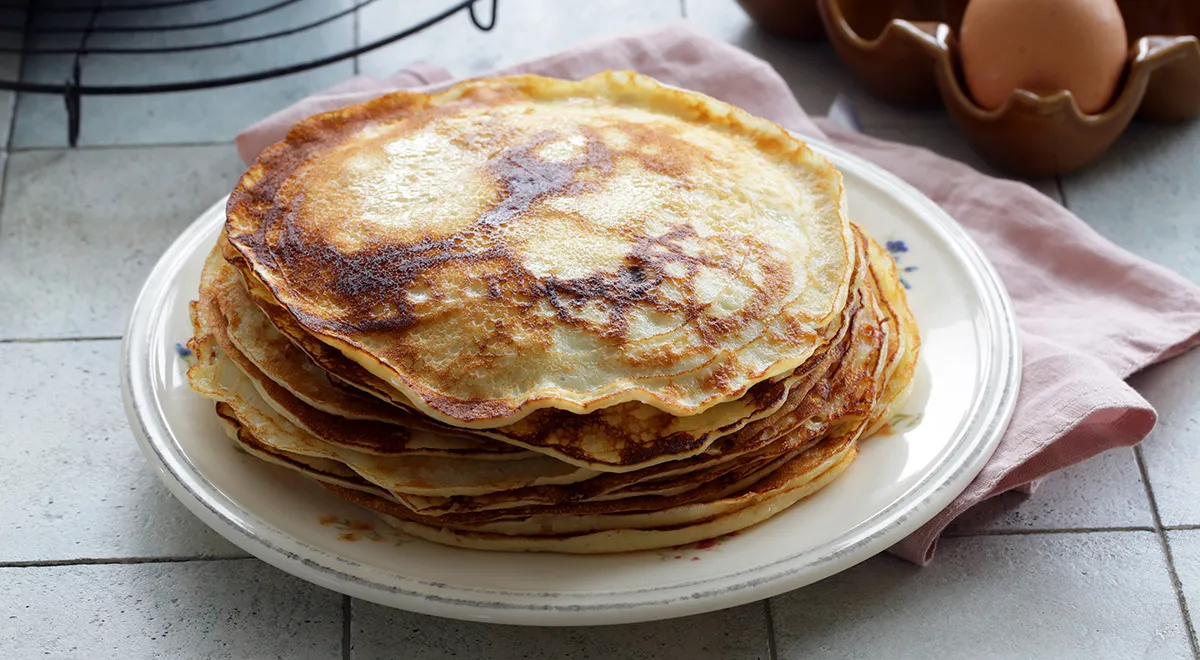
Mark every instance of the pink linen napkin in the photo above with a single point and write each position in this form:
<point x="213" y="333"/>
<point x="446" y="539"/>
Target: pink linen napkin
<point x="1090" y="313"/>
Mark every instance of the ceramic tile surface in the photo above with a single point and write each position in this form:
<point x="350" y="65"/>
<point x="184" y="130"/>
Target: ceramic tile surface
<point x="7" y="102"/>
<point x="1143" y="194"/>
<point x="79" y="231"/>
<point x="213" y="115"/>
<point x="233" y="610"/>
<point x="1172" y="452"/>
<point x="465" y="51"/>
<point x="1053" y="596"/>
<point x="75" y="483"/>
<point x="98" y="560"/>
<point x="1105" y="491"/>
<point x="734" y="634"/>
<point x="1185" y="549"/>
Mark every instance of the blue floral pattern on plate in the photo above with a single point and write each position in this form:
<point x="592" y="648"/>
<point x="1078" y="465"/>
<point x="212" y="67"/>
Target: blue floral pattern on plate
<point x="896" y="248"/>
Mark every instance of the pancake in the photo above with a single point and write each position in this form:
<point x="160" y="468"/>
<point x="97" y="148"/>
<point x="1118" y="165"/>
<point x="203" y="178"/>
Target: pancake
<point x="842" y="395"/>
<point x="363" y="435"/>
<point x="419" y="471"/>
<point x="252" y="332"/>
<point x="538" y="315"/>
<point x="522" y="488"/>
<point x="228" y="380"/>
<point x="621" y="438"/>
<point x="358" y="423"/>
<point x="521" y="243"/>
<point x="322" y="469"/>
<point x="797" y="479"/>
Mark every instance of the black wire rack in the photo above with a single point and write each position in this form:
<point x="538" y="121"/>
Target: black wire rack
<point x="113" y="28"/>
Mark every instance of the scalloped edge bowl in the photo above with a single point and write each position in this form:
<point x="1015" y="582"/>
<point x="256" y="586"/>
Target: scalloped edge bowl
<point x="913" y="61"/>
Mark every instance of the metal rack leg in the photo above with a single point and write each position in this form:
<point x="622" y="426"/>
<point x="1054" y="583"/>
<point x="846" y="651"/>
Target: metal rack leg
<point x="72" y="98"/>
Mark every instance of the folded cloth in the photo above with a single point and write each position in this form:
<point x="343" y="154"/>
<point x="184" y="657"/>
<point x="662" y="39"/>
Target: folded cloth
<point x="1090" y="313"/>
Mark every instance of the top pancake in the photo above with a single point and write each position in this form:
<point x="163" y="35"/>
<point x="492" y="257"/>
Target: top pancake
<point x="522" y="243"/>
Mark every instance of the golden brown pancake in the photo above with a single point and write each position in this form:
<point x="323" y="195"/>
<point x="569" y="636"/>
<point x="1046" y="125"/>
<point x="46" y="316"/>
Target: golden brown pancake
<point x="522" y="243"/>
<point x="422" y="484"/>
<point x="620" y="438"/>
<point x="799" y="477"/>
<point x="529" y="314"/>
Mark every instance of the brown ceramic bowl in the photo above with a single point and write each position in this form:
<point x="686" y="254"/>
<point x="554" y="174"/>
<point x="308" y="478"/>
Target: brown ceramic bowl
<point x="786" y="18"/>
<point x="905" y="52"/>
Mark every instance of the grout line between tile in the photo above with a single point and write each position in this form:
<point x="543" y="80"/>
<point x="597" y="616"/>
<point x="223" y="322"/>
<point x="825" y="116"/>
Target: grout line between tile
<point x="44" y="563"/>
<point x="48" y="340"/>
<point x="1035" y="532"/>
<point x="1166" y="548"/>
<point x="1180" y="528"/>
<point x="772" y="649"/>
<point x="347" y="617"/>
<point x="1062" y="191"/>
<point x="1183" y="604"/>
<point x="683" y="8"/>
<point x="100" y="147"/>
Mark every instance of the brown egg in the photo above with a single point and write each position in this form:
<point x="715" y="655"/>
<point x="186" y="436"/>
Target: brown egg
<point x="1043" y="46"/>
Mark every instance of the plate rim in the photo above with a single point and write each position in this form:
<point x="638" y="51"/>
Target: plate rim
<point x="995" y="405"/>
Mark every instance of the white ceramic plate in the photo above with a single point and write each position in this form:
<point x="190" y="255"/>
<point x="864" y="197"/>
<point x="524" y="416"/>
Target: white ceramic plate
<point x="966" y="386"/>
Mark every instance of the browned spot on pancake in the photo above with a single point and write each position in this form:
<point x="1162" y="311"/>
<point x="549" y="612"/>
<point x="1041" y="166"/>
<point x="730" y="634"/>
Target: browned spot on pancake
<point x="658" y="356"/>
<point x="659" y="149"/>
<point x="386" y="271"/>
<point x="718" y="378"/>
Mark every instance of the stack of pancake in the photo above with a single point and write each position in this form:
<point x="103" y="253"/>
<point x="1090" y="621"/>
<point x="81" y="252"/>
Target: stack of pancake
<point x="544" y="315"/>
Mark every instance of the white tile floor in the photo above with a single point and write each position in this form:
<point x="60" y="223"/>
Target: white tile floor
<point x="1172" y="453"/>
<point x="1185" y="548"/>
<point x="1051" y="596"/>
<point x="98" y="561"/>
<point x="381" y="633"/>
<point x="106" y="213"/>
<point x="233" y="609"/>
<point x="524" y="29"/>
<point x="76" y="487"/>
<point x="1105" y="492"/>
<point x="185" y="117"/>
